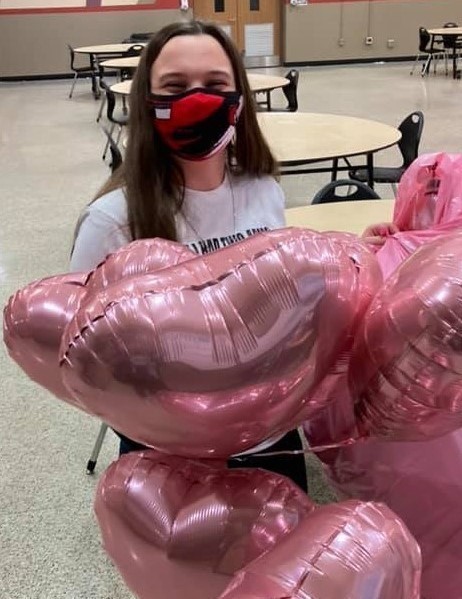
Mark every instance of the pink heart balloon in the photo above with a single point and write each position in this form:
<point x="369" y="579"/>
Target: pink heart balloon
<point x="406" y="369"/>
<point x="35" y="317"/>
<point x="34" y="321"/>
<point x="349" y="550"/>
<point x="218" y="353"/>
<point x="179" y="528"/>
<point x="139" y="257"/>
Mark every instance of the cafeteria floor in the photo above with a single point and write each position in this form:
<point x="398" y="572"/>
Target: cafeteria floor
<point x="50" y="167"/>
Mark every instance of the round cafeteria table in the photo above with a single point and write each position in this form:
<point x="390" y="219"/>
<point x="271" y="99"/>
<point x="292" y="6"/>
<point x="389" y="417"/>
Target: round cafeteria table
<point x="350" y="217"/>
<point x="258" y="83"/>
<point x="300" y="138"/>
<point x="456" y="33"/>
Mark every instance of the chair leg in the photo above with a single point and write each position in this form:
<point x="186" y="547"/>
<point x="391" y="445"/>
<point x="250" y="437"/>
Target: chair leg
<point x="101" y="108"/>
<point x="97" y="448"/>
<point x="111" y="131"/>
<point x="73" y="85"/>
<point x="416" y="61"/>
<point x="426" y="66"/>
<point x="119" y="135"/>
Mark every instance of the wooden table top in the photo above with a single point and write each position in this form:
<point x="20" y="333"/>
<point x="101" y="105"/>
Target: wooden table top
<point x="122" y="87"/>
<point x="131" y="62"/>
<point x="263" y="83"/>
<point x="307" y="136"/>
<point x="257" y="82"/>
<point x="351" y="217"/>
<point x="446" y="31"/>
<point x="107" y="48"/>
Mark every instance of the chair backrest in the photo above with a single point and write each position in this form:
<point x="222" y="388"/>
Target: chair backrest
<point x="134" y="50"/>
<point x="411" y="132"/>
<point x="449" y="41"/>
<point x="139" y="37"/>
<point x="290" y="90"/>
<point x="72" y="55"/>
<point x="424" y="39"/>
<point x="361" y="191"/>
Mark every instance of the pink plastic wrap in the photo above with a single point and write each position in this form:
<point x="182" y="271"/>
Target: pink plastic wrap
<point x="428" y="206"/>
<point x="420" y="481"/>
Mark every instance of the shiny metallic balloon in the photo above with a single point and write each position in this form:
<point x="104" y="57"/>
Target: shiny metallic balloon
<point x="349" y="550"/>
<point x="406" y="368"/>
<point x="179" y="528"/>
<point x="216" y="354"/>
<point x="35" y="317"/>
<point x="33" y="325"/>
<point x="139" y="257"/>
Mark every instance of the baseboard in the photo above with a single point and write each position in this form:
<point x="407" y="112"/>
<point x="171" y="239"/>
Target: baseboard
<point x="308" y="63"/>
<point x="51" y="76"/>
<point x="320" y="63"/>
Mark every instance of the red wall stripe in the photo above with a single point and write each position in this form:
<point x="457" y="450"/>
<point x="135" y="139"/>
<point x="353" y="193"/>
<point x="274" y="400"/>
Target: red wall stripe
<point x="351" y="1"/>
<point x="95" y="6"/>
<point x="92" y="6"/>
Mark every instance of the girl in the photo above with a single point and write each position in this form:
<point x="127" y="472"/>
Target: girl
<point x="197" y="170"/>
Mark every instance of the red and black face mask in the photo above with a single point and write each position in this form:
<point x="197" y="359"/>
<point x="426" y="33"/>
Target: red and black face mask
<point x="198" y="123"/>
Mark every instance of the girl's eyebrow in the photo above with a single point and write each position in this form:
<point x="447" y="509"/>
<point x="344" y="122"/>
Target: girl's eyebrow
<point x="219" y="72"/>
<point x="171" y="74"/>
<point x="179" y="74"/>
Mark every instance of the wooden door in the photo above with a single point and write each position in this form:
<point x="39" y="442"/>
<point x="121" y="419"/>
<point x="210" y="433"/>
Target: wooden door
<point x="254" y="25"/>
<point x="259" y="22"/>
<point x="221" y="12"/>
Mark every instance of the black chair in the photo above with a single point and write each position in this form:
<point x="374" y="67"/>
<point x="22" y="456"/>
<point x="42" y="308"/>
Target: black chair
<point x="134" y="50"/>
<point x="138" y="37"/>
<point x="103" y="86"/>
<point x="449" y="41"/>
<point x="91" y="464"/>
<point x="116" y="154"/>
<point x="117" y="120"/>
<point x="451" y="45"/>
<point x="328" y="194"/>
<point x="290" y="92"/>
<point x="425" y="48"/>
<point x="87" y="69"/>
<point x="411" y="132"/>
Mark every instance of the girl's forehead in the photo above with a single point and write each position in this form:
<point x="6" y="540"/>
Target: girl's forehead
<point x="188" y="52"/>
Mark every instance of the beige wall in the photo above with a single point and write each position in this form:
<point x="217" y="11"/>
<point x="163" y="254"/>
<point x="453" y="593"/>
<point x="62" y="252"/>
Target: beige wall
<point x="36" y="44"/>
<point x="313" y="31"/>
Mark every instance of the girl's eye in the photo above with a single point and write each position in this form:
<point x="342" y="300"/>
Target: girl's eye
<point x="174" y="88"/>
<point x="216" y="84"/>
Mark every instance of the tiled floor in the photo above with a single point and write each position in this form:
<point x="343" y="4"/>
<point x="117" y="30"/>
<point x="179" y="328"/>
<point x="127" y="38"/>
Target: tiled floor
<point x="50" y="167"/>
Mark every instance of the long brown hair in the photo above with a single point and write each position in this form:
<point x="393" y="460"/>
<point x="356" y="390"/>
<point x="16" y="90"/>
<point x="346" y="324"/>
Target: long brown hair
<point x="152" y="179"/>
